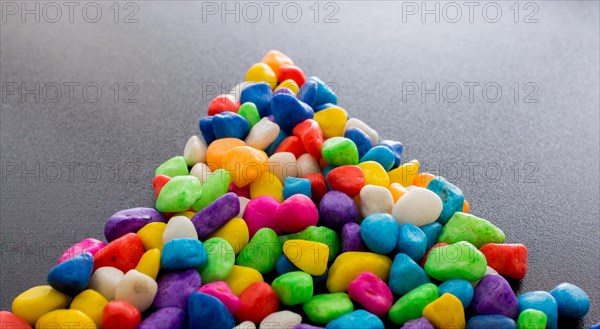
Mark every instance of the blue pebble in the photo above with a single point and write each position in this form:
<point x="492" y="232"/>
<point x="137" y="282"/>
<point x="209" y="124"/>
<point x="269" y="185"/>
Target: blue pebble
<point x="412" y="241"/>
<point x="208" y="312"/>
<point x="432" y="232"/>
<point x="72" y="276"/>
<point x="572" y="301"/>
<point x="206" y="128"/>
<point x="595" y="326"/>
<point x="462" y="289"/>
<point x="379" y="232"/>
<point x="259" y="94"/>
<point x="452" y="197"/>
<point x="326" y="171"/>
<point x="293" y="185"/>
<point x="323" y="107"/>
<point x="180" y="254"/>
<point x="288" y="111"/>
<point x="381" y="155"/>
<point x="308" y="93"/>
<point x="273" y="146"/>
<point x="360" y="139"/>
<point x="230" y="125"/>
<point x="324" y="93"/>
<point x="541" y="301"/>
<point x="356" y="319"/>
<point x="491" y="321"/>
<point x="283" y="91"/>
<point x="396" y="148"/>
<point x="406" y="275"/>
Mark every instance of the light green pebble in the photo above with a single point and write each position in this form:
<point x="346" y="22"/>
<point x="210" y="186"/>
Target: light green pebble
<point x="179" y="194"/>
<point x="456" y="261"/>
<point x="325" y="308"/>
<point x="262" y="252"/>
<point x="340" y="151"/>
<point x="532" y="319"/>
<point x="216" y="185"/>
<point x="175" y="166"/>
<point x="221" y="258"/>
<point x="411" y="305"/>
<point x="293" y="288"/>
<point x="249" y="112"/>
<point x="320" y="234"/>
<point x="466" y="227"/>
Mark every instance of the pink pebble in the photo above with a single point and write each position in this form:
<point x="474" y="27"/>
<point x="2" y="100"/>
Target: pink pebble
<point x="260" y="213"/>
<point x="221" y="291"/>
<point x="372" y="293"/>
<point x="240" y="191"/>
<point x="90" y="245"/>
<point x="296" y="213"/>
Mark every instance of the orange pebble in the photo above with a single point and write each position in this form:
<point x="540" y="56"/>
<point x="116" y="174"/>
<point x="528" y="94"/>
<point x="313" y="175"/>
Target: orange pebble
<point x="466" y="207"/>
<point x="397" y="191"/>
<point x="423" y="179"/>
<point x="217" y="149"/>
<point x="275" y="58"/>
<point x="245" y="164"/>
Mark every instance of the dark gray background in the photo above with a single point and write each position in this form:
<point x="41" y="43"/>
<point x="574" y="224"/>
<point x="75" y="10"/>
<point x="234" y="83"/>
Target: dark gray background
<point x="530" y="168"/>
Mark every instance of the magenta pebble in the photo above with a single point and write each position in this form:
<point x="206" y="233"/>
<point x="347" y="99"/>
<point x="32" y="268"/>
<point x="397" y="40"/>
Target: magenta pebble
<point x="372" y="293"/>
<point x="260" y="213"/>
<point x="221" y="291"/>
<point x="90" y="245"/>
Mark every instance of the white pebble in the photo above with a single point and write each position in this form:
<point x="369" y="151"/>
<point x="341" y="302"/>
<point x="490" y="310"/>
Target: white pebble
<point x="236" y="92"/>
<point x="356" y="123"/>
<point x="201" y="171"/>
<point x="105" y="280"/>
<point x="245" y="325"/>
<point x="243" y="202"/>
<point x="307" y="164"/>
<point x="375" y="199"/>
<point x="418" y="206"/>
<point x="179" y="227"/>
<point x="282" y="165"/>
<point x="281" y="320"/>
<point x="194" y="151"/>
<point x="137" y="289"/>
<point x="262" y="134"/>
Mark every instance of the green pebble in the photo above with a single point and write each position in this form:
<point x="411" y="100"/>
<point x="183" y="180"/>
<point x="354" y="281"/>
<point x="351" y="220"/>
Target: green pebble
<point x="532" y="319"/>
<point x="320" y="234"/>
<point x="221" y="258"/>
<point x="411" y="305"/>
<point x="456" y="261"/>
<point x="216" y="185"/>
<point x="173" y="167"/>
<point x="249" y="112"/>
<point x="325" y="308"/>
<point x="262" y="252"/>
<point x="340" y="151"/>
<point x="466" y="227"/>
<point x="293" y="288"/>
<point x="179" y="194"/>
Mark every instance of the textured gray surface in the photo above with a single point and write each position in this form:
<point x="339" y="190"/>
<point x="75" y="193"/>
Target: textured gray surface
<point x="551" y="203"/>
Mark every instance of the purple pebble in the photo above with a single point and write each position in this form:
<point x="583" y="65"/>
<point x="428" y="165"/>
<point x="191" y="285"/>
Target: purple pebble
<point x="336" y="209"/>
<point x="130" y="221"/>
<point x="351" y="240"/>
<point x="170" y="317"/>
<point x="420" y="323"/>
<point x="494" y="296"/>
<point x="306" y="326"/>
<point x="175" y="288"/>
<point x="216" y="214"/>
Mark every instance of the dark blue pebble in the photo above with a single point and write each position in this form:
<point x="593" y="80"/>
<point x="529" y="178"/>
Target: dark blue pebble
<point x="259" y="94"/>
<point x="396" y="148"/>
<point x="230" y="125"/>
<point x="381" y="155"/>
<point x="289" y="111"/>
<point x="283" y="91"/>
<point x="432" y="232"/>
<point x="72" y="276"/>
<point x="452" y="197"/>
<point x="207" y="312"/>
<point x="206" y="128"/>
<point x="360" y="139"/>
<point x="491" y="322"/>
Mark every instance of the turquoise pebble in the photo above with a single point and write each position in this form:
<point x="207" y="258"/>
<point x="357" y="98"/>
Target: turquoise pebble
<point x="381" y="155"/>
<point x="207" y="312"/>
<point x="72" y="276"/>
<point x="406" y="275"/>
<point x="412" y="241"/>
<point x="396" y="148"/>
<point x="452" y="197"/>
<point x="379" y="233"/>
<point x="572" y="301"/>
<point x="432" y="232"/>
<point x="356" y="319"/>
<point x="491" y="321"/>
<point x="541" y="301"/>
<point x="462" y="289"/>
<point x="293" y="185"/>
<point x="180" y="254"/>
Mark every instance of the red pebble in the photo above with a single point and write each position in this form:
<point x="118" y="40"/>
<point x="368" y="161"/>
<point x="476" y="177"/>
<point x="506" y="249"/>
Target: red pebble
<point x="11" y="321"/>
<point x="318" y="188"/>
<point x="120" y="315"/>
<point x="123" y="253"/>
<point x="323" y="163"/>
<point x="223" y="103"/>
<point x="311" y="136"/>
<point x="508" y="259"/>
<point x="256" y="302"/>
<point x="296" y="213"/>
<point x="240" y="191"/>
<point x="291" y="144"/>
<point x="158" y="182"/>
<point x="288" y="71"/>
<point x="440" y="244"/>
<point x="347" y="179"/>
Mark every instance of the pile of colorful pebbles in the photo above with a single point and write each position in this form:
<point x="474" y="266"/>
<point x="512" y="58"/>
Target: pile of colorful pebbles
<point x="287" y="213"/>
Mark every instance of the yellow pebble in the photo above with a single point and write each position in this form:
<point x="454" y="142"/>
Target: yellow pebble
<point x="309" y="256"/>
<point x="235" y="232"/>
<point x="151" y="235"/>
<point x="37" y="301"/>
<point x="188" y="214"/>
<point x="65" y="319"/>
<point x="374" y="173"/>
<point x="261" y="72"/>
<point x="149" y="264"/>
<point x="267" y="184"/>
<point x="91" y="303"/>
<point x="446" y="312"/>
<point x="241" y="277"/>
<point x="405" y="174"/>
<point x="397" y="191"/>
<point x="349" y="265"/>
<point x="332" y="121"/>
<point x="289" y="84"/>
